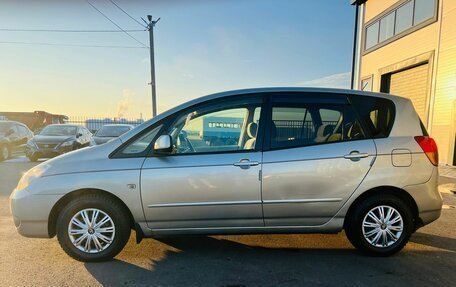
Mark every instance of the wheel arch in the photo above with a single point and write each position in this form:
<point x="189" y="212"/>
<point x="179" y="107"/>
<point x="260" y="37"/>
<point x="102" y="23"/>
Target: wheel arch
<point x="390" y="190"/>
<point x="62" y="202"/>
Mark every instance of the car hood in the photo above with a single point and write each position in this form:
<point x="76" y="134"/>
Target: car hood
<point x="102" y="140"/>
<point x="91" y="159"/>
<point x="51" y="139"/>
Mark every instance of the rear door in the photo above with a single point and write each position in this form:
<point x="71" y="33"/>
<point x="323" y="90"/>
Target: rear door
<point x="317" y="154"/>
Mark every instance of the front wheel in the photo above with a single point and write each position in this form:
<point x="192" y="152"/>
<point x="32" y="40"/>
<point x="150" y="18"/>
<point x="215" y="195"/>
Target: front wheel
<point x="93" y="228"/>
<point x="33" y="158"/>
<point x="380" y="225"/>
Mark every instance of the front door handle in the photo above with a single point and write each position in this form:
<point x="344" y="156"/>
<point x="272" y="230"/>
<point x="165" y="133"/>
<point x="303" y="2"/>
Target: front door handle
<point x="355" y="155"/>
<point x="245" y="163"/>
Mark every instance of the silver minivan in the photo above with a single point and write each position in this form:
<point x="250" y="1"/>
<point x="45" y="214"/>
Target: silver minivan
<point x="273" y="160"/>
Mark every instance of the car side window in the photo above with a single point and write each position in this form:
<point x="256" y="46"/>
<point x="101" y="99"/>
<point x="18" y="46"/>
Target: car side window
<point x="376" y="113"/>
<point x="23" y="131"/>
<point x="15" y="130"/>
<point x="221" y="127"/>
<point x="295" y="125"/>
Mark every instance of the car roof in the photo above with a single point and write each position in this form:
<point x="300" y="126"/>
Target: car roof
<point x="12" y="122"/>
<point x="252" y="91"/>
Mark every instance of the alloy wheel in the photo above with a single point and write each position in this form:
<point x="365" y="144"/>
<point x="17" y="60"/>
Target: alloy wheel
<point x="382" y="226"/>
<point x="91" y="230"/>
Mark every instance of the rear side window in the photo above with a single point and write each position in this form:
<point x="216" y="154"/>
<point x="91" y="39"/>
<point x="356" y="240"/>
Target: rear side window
<point x="295" y="125"/>
<point x="376" y="113"/>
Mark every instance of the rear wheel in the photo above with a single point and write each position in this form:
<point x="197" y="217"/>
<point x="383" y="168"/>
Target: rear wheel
<point x="4" y="152"/>
<point x="380" y="225"/>
<point x="93" y="228"/>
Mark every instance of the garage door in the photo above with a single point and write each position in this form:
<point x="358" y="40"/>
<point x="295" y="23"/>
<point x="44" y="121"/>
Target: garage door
<point x="412" y="83"/>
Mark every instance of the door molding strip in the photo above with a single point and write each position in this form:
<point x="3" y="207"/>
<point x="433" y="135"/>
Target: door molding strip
<point x="184" y="204"/>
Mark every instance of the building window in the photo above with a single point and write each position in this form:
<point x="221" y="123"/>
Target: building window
<point x="366" y="84"/>
<point x="399" y="20"/>
<point x="387" y="27"/>
<point x="424" y="9"/>
<point x="404" y="17"/>
<point x="372" y="35"/>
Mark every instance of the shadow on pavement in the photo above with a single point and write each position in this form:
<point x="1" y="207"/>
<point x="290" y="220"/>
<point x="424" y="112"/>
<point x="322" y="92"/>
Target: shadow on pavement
<point x="207" y="261"/>
<point x="434" y="241"/>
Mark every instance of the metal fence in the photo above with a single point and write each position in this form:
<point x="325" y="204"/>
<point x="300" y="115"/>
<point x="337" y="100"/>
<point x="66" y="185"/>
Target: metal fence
<point x="297" y="129"/>
<point x="93" y="124"/>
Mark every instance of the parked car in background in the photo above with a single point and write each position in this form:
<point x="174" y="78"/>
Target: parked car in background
<point x="54" y="140"/>
<point x="13" y="138"/>
<point x="109" y="132"/>
<point x="306" y="160"/>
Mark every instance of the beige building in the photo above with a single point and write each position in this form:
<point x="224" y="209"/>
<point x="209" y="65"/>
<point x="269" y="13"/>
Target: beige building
<point x="408" y="48"/>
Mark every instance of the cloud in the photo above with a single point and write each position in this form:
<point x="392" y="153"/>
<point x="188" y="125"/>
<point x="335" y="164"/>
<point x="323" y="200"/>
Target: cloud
<point x="341" y="80"/>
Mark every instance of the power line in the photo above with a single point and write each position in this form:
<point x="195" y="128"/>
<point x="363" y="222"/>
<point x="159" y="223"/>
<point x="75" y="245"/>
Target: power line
<point x="70" y="45"/>
<point x="115" y="24"/>
<point x="67" y="31"/>
<point x="125" y="12"/>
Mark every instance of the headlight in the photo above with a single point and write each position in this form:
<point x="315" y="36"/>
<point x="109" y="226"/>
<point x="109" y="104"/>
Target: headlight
<point x="31" y="175"/>
<point x="32" y="144"/>
<point x="67" y="143"/>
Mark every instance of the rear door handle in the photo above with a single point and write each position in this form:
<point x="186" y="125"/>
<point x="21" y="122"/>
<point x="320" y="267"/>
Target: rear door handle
<point x="356" y="155"/>
<point x="245" y="163"/>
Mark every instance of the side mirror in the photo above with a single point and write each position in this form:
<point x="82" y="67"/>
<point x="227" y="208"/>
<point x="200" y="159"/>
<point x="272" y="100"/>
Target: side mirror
<point x="79" y="135"/>
<point x="163" y="144"/>
<point x="9" y="132"/>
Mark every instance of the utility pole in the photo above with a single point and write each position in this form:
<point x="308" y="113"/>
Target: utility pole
<point x="150" y="28"/>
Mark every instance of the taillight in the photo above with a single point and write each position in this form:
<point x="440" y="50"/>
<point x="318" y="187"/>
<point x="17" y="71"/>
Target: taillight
<point x="429" y="147"/>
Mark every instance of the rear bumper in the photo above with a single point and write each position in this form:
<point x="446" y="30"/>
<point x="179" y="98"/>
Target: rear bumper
<point x="427" y="198"/>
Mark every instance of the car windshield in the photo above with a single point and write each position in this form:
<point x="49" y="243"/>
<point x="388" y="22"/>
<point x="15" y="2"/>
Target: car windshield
<point x="112" y="131"/>
<point x="4" y="127"/>
<point x="59" y="130"/>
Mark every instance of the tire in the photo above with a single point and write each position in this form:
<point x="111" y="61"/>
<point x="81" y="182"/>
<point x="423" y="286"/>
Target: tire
<point x="120" y="222"/>
<point x="33" y="158"/>
<point x="355" y="230"/>
<point x="5" y="152"/>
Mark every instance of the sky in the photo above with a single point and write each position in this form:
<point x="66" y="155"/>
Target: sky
<point x="201" y="47"/>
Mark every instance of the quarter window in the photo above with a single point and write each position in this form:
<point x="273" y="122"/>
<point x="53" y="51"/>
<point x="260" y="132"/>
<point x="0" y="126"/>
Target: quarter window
<point x="376" y="113"/>
<point x="139" y="146"/>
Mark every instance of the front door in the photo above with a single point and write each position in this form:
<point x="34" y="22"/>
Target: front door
<point x="317" y="156"/>
<point x="211" y="178"/>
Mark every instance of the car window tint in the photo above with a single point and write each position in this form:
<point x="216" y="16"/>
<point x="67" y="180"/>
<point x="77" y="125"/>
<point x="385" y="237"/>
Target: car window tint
<point x="376" y="113"/>
<point x="140" y="145"/>
<point x="313" y="124"/>
<point x="292" y="126"/>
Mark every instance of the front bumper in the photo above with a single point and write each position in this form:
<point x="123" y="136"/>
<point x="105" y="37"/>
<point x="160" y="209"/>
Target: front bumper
<point x="428" y="198"/>
<point x="31" y="212"/>
<point x="31" y="151"/>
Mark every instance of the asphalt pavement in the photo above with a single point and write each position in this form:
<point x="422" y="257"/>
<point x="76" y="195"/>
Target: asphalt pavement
<point x="260" y="260"/>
